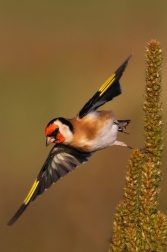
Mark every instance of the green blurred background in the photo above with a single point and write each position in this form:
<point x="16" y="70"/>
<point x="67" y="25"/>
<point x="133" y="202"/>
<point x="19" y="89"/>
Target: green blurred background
<point x="53" y="57"/>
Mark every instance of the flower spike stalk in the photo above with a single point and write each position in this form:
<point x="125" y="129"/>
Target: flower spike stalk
<point x="139" y="226"/>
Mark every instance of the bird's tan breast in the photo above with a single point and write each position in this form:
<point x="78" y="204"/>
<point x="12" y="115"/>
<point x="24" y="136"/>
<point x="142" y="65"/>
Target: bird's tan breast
<point x="89" y="128"/>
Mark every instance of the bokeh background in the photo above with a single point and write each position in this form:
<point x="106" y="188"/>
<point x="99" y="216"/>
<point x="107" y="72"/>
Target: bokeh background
<point x="53" y="57"/>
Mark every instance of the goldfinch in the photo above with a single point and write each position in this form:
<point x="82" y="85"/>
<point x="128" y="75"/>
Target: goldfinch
<point x="78" y="138"/>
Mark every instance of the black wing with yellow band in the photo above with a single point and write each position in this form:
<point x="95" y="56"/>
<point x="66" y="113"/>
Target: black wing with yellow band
<point x="61" y="160"/>
<point x="110" y="89"/>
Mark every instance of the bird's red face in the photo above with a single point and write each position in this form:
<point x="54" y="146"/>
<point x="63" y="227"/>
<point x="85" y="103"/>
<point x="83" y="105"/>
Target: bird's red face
<point x="53" y="134"/>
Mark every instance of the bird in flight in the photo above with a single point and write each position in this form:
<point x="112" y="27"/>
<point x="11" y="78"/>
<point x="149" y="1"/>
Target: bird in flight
<point x="76" y="139"/>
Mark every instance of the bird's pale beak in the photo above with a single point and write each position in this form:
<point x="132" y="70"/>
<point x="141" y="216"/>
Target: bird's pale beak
<point x="49" y="140"/>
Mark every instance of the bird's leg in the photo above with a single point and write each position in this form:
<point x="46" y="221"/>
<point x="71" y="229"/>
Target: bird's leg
<point x="122" y="144"/>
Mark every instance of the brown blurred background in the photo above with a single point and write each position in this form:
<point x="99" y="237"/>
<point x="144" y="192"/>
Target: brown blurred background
<point x="53" y="57"/>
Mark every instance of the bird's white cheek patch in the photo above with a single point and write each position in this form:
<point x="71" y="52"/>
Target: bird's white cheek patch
<point x="67" y="133"/>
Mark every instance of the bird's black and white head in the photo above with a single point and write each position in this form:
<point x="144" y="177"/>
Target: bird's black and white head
<point x="59" y="130"/>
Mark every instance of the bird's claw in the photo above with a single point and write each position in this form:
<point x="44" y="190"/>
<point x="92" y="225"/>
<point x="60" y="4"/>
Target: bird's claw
<point x="124" y="130"/>
<point x="144" y="150"/>
<point x="122" y="126"/>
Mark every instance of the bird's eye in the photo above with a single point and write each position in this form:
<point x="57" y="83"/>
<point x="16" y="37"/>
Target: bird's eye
<point x="54" y="133"/>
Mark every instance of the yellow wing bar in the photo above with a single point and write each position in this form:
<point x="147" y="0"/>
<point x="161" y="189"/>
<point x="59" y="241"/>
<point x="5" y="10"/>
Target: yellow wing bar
<point x="107" y="84"/>
<point x="30" y="194"/>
